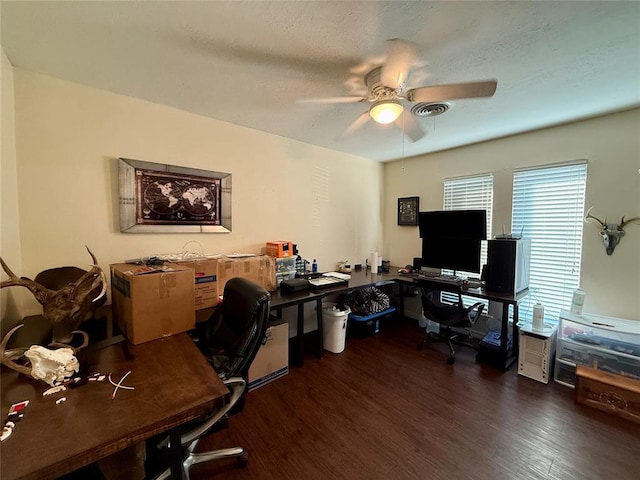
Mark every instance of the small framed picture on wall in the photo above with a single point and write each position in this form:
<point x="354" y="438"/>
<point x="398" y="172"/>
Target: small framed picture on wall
<point x="408" y="208"/>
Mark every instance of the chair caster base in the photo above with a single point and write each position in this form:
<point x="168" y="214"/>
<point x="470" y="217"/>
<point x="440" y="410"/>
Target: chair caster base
<point x="243" y="459"/>
<point x="450" y="360"/>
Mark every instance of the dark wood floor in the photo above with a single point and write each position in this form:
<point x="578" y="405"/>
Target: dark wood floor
<point x="383" y="410"/>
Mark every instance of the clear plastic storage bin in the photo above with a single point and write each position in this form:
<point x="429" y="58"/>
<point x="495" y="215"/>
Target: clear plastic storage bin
<point x="607" y="343"/>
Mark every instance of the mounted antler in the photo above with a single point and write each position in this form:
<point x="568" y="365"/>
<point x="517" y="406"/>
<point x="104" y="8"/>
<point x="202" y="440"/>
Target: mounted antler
<point x="624" y="222"/>
<point x="67" y="307"/>
<point x="610" y="232"/>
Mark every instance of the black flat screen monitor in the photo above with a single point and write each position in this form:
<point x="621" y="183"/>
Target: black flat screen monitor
<point x="460" y="254"/>
<point x="453" y="224"/>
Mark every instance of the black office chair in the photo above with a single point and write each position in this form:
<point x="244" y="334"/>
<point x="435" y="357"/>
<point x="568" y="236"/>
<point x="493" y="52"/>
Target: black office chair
<point x="449" y="316"/>
<point x="230" y="340"/>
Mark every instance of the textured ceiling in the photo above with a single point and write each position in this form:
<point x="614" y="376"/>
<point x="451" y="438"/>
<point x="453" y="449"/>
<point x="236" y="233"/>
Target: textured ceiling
<point x="248" y="63"/>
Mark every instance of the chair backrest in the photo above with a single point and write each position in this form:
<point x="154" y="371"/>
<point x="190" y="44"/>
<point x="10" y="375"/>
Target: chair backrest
<point x="455" y="315"/>
<point x="238" y="327"/>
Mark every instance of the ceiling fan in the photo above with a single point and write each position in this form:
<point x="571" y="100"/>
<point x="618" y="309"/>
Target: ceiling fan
<point x="386" y="92"/>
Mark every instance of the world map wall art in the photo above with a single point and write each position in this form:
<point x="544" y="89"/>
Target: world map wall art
<point x="158" y="198"/>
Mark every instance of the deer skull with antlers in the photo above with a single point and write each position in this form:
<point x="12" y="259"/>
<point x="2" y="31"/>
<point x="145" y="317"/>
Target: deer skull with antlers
<point x="65" y="308"/>
<point x="611" y="233"/>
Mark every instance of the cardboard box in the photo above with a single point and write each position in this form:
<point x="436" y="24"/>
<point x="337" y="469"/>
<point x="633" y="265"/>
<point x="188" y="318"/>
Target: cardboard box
<point x="272" y="360"/>
<point x="608" y="392"/>
<point x="149" y="303"/>
<point x="260" y="269"/>
<point x="206" y="281"/>
<point x="279" y="249"/>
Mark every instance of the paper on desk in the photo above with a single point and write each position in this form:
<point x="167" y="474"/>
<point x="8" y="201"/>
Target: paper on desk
<point x="341" y="276"/>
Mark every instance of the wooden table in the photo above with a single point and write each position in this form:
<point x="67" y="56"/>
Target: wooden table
<point x="173" y="385"/>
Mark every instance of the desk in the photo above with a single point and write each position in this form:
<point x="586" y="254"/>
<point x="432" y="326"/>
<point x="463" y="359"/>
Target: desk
<point x="173" y="385"/>
<point x="506" y="357"/>
<point x="359" y="279"/>
<point x="280" y="300"/>
<point x="364" y="278"/>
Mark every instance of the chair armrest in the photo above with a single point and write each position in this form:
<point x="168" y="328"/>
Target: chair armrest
<point x="237" y="386"/>
<point x="472" y="316"/>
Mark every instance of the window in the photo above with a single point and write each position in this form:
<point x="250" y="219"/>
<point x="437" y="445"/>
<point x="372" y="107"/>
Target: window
<point x="470" y="193"/>
<point x="548" y="207"/>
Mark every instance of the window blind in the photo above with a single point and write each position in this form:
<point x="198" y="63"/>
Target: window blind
<point x="548" y="207"/>
<point x="470" y="193"/>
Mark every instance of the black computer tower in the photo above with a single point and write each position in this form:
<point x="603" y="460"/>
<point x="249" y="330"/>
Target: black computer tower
<point x="507" y="269"/>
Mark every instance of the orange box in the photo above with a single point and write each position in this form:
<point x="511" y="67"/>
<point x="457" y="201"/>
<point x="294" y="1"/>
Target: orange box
<point x="279" y="249"/>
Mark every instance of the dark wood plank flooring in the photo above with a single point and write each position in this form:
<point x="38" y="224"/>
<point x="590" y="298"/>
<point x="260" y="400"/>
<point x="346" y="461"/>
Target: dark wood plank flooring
<point x="383" y="410"/>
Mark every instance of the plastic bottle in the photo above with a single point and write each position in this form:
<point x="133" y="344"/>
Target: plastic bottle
<point x="374" y="262"/>
<point x="314" y="266"/>
<point x="577" y="302"/>
<point x="538" y="317"/>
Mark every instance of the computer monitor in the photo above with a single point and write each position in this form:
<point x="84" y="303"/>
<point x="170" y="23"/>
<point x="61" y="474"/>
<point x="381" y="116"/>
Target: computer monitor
<point x="451" y="239"/>
<point x="460" y="254"/>
<point x="453" y="224"/>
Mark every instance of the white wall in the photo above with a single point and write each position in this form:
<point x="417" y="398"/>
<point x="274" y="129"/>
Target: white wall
<point x="9" y="233"/>
<point x="611" y="145"/>
<point x="68" y="139"/>
<point x="64" y="192"/>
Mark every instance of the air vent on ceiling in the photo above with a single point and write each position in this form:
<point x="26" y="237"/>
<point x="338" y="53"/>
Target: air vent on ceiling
<point x="429" y="109"/>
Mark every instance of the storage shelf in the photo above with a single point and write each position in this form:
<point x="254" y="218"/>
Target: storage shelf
<point x="566" y="362"/>
<point x="603" y="350"/>
<point x="570" y="385"/>
<point x="611" y="345"/>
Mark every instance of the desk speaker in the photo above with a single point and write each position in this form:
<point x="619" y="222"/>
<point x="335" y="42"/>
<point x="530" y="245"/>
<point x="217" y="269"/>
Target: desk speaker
<point x="507" y="269"/>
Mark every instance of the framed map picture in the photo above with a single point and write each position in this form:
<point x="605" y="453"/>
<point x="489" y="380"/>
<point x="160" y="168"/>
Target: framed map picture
<point x="158" y="198"/>
<point x="408" y="210"/>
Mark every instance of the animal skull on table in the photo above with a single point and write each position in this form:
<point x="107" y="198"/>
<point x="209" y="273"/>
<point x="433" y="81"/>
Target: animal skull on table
<point x="611" y="233"/>
<point x="44" y="364"/>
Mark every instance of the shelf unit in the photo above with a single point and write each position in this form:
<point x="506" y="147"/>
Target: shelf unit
<point x="537" y="351"/>
<point x="607" y="343"/>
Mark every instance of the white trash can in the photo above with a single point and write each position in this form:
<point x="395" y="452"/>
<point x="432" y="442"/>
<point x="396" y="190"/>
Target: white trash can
<point x="334" y="327"/>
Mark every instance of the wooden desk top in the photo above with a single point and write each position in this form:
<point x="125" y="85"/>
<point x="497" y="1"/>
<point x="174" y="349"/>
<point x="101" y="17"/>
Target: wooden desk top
<point x="173" y="384"/>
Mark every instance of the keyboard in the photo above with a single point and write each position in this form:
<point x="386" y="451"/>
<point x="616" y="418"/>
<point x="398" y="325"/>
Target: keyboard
<point x="438" y="276"/>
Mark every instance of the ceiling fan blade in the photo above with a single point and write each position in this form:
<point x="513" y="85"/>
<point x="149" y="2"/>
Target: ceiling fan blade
<point x="454" y="91"/>
<point x="355" y="125"/>
<point x="332" y="100"/>
<point x="400" y="57"/>
<point x="410" y="126"/>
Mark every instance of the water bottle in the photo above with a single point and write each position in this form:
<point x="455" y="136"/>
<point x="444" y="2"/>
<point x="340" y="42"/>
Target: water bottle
<point x="577" y="302"/>
<point x="314" y="266"/>
<point x="538" y="317"/>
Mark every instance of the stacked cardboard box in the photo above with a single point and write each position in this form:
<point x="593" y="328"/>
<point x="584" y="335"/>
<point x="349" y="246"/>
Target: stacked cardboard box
<point x="206" y="281"/>
<point x="272" y="360"/>
<point x="152" y="302"/>
<point x="260" y="269"/>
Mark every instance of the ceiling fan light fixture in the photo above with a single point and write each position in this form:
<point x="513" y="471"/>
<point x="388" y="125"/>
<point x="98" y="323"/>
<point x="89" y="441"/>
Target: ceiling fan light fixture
<point x="386" y="111"/>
